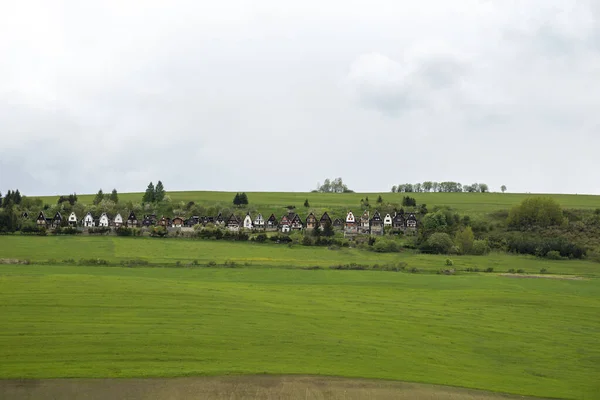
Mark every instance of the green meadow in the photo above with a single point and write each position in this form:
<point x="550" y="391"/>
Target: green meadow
<point x="534" y="337"/>
<point x="267" y="202"/>
<point x="185" y="252"/>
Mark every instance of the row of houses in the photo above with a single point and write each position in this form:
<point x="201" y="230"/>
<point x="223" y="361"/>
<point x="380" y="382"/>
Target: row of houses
<point x="364" y="225"/>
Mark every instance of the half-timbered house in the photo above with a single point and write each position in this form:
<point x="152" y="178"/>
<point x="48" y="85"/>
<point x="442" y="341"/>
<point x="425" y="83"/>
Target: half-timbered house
<point x="177" y="222"/>
<point x="132" y="220"/>
<point x="259" y="223"/>
<point x="411" y="222"/>
<point x="311" y="222"/>
<point x="398" y="223"/>
<point x="296" y="223"/>
<point x="325" y="219"/>
<point x="338" y="224"/>
<point x="284" y="224"/>
<point x="364" y="226"/>
<point x="41" y="220"/>
<point x="350" y="228"/>
<point x="271" y="224"/>
<point x="376" y="224"/>
<point x="219" y="221"/>
<point x="233" y="223"/>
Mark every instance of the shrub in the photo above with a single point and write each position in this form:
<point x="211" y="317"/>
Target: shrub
<point x="520" y="271"/>
<point x="158" y="231"/>
<point x="480" y="247"/>
<point x="489" y="269"/>
<point x="211" y="264"/>
<point x="386" y="246"/>
<point x="439" y="242"/>
<point x="414" y="270"/>
<point x="535" y="211"/>
<point x="543" y="271"/>
<point x="553" y="255"/>
<point x="512" y="271"/>
<point x="307" y="241"/>
<point x="261" y="238"/>
<point x="449" y="262"/>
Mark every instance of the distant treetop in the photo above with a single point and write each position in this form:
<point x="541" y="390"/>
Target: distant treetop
<point x="335" y="186"/>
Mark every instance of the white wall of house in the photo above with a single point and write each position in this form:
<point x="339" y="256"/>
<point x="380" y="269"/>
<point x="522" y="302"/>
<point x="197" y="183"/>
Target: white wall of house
<point x="285" y="228"/>
<point x="73" y="218"/>
<point x="350" y="217"/>
<point x="259" y="220"/>
<point x="103" y="220"/>
<point x="118" y="220"/>
<point x="248" y="222"/>
<point x="88" y="221"/>
<point x="387" y="221"/>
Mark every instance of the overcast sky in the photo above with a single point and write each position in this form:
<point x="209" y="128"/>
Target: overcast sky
<point x="270" y="95"/>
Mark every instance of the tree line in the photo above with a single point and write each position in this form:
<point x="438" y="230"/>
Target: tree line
<point x="336" y="185"/>
<point x="442" y="187"/>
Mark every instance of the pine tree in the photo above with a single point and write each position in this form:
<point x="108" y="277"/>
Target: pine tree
<point x="114" y="197"/>
<point x="328" y="229"/>
<point x="159" y="192"/>
<point x="0" y="199"/>
<point x="380" y="199"/>
<point x="149" y="194"/>
<point x="99" y="197"/>
<point x="17" y="197"/>
<point x="244" y="198"/>
<point x="236" y="199"/>
<point x="306" y="203"/>
<point x="317" y="231"/>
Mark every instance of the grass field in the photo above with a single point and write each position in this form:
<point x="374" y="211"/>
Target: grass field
<point x="238" y="387"/>
<point x="266" y="202"/>
<point x="168" y="252"/>
<point x="523" y="336"/>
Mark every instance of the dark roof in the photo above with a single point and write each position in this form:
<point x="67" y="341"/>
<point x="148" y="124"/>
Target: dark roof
<point x="57" y="216"/>
<point x="41" y="216"/>
<point x="325" y="217"/>
<point x="131" y="216"/>
<point x="376" y="217"/>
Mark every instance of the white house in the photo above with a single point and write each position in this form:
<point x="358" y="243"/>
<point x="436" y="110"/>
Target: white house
<point x="350" y="218"/>
<point x="387" y="221"/>
<point x="259" y="222"/>
<point x="285" y="228"/>
<point x="104" y="221"/>
<point x="88" y="220"/>
<point x="118" y="220"/>
<point x="72" y="219"/>
<point x="248" y="222"/>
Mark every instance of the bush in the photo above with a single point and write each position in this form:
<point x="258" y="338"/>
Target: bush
<point x="511" y="271"/>
<point x="307" y="241"/>
<point x="449" y="262"/>
<point x="92" y="261"/>
<point x="543" y="271"/>
<point x="439" y="243"/>
<point x="261" y="238"/>
<point x="489" y="269"/>
<point x="553" y="255"/>
<point x="386" y="246"/>
<point x="158" y="231"/>
<point x="480" y="247"/>
<point x="520" y="271"/>
<point x="211" y="264"/>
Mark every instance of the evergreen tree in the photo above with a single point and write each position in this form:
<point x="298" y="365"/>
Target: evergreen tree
<point x="306" y="204"/>
<point x="236" y="199"/>
<point x="244" y="198"/>
<point x="149" y="194"/>
<point x="114" y="196"/>
<point x="99" y="197"/>
<point x="17" y="197"/>
<point x="159" y="192"/>
<point x="7" y="199"/>
<point x="317" y="231"/>
<point x="0" y="199"/>
<point x="328" y="229"/>
<point x="380" y="199"/>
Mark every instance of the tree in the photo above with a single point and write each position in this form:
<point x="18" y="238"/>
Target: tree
<point x="317" y="231"/>
<point x="379" y="200"/>
<point x="99" y="197"/>
<point x="335" y="186"/>
<point x="440" y="242"/>
<point x="394" y="189"/>
<point x="0" y="199"/>
<point x="240" y="199"/>
<point x="306" y="203"/>
<point x="464" y="240"/>
<point x="236" y="199"/>
<point x="503" y="188"/>
<point x="114" y="196"/>
<point x="483" y="188"/>
<point x="244" y="198"/>
<point x="149" y="194"/>
<point x="427" y="186"/>
<point x="535" y="211"/>
<point x="159" y="192"/>
<point x="328" y="229"/>
<point x="17" y="197"/>
<point x="408" y="201"/>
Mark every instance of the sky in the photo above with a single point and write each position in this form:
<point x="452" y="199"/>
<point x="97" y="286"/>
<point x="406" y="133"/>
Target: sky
<point x="270" y="95"/>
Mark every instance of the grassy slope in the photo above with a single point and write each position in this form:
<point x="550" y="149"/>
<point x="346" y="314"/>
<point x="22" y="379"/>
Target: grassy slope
<point x="267" y="202"/>
<point x="525" y="336"/>
<point x="169" y="251"/>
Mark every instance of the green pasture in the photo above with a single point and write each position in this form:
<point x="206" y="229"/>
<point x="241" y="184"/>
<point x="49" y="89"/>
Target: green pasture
<point x="170" y="251"/>
<point x="267" y="202"/>
<point x="524" y="336"/>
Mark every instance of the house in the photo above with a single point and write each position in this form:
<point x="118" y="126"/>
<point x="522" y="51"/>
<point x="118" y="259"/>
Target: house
<point x="311" y="221"/>
<point x="376" y="224"/>
<point x="132" y="220"/>
<point x="387" y="221"/>
<point x="259" y="222"/>
<point x="411" y="222"/>
<point x="271" y="224"/>
<point x="104" y="220"/>
<point x="219" y="220"/>
<point x="73" y="219"/>
<point x="56" y="221"/>
<point x="164" y="221"/>
<point x="209" y="220"/>
<point x="118" y="221"/>
<point x="284" y="224"/>
<point x="88" y="220"/>
<point x="248" y="222"/>
<point x="398" y="223"/>
<point x="41" y="219"/>
<point x="350" y="228"/>
<point x="233" y="223"/>
<point x="193" y="221"/>
<point x="325" y="219"/>
<point x="148" y="221"/>
<point x="177" y="222"/>
<point x="364" y="227"/>
<point x="338" y="224"/>
<point x="296" y="223"/>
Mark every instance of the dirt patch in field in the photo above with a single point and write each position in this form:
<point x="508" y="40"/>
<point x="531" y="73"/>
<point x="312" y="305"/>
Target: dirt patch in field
<point x="563" y="277"/>
<point x="235" y="387"/>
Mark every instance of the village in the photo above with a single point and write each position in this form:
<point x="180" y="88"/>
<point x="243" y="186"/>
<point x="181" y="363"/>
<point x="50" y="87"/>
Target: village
<point x="290" y="222"/>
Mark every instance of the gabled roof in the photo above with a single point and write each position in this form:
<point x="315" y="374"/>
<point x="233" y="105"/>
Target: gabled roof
<point x="411" y="217"/>
<point x="297" y="219"/>
<point x="376" y="217"/>
<point x="272" y="219"/>
<point x="233" y="219"/>
<point x="131" y="217"/>
<point x="219" y="218"/>
<point x="178" y="217"/>
<point x="338" y="222"/>
<point x="325" y="217"/>
<point x="57" y="216"/>
<point x="311" y="217"/>
<point x="285" y="220"/>
<point x="365" y="216"/>
<point x="350" y="217"/>
<point x="41" y="216"/>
